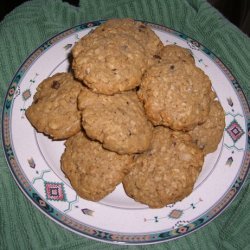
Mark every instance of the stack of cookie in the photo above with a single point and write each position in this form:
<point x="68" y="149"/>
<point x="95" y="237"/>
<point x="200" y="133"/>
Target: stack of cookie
<point x="133" y="112"/>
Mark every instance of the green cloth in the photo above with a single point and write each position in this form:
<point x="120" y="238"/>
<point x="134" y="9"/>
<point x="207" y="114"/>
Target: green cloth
<point x="22" y="226"/>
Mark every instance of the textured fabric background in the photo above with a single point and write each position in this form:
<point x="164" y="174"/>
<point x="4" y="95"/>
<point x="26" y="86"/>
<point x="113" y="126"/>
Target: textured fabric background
<point x="22" y="226"/>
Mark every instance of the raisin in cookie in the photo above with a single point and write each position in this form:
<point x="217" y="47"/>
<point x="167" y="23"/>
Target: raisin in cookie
<point x="94" y="172"/>
<point x="118" y="121"/>
<point x="54" y="109"/>
<point x="176" y="95"/>
<point x="109" y="64"/>
<point x="141" y="32"/>
<point x="166" y="173"/>
<point x="208" y="135"/>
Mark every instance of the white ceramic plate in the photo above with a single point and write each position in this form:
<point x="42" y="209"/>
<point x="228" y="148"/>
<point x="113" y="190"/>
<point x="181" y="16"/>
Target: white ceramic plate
<point x="34" y="160"/>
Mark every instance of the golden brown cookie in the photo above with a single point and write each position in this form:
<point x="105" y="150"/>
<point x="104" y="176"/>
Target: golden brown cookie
<point x="208" y="135"/>
<point x="175" y="53"/>
<point x="141" y="32"/>
<point x="109" y="64"/>
<point x="166" y="173"/>
<point x="54" y="109"/>
<point x="176" y="95"/>
<point x="93" y="172"/>
<point x="118" y="121"/>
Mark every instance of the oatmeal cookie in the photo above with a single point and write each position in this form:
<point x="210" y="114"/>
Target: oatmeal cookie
<point x="94" y="172"/>
<point x="54" y="109"/>
<point x="176" y="95"/>
<point x="118" y="121"/>
<point x="208" y="135"/>
<point x="166" y="173"/>
<point x="109" y="64"/>
<point x="141" y="32"/>
<point x="174" y="53"/>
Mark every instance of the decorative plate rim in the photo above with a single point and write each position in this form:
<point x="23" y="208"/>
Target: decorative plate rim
<point x="91" y="232"/>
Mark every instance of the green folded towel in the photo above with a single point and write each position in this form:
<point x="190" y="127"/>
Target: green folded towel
<point x="22" y="226"/>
